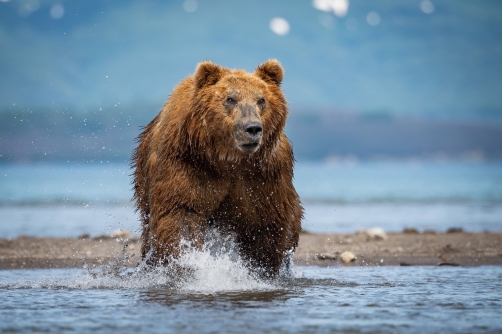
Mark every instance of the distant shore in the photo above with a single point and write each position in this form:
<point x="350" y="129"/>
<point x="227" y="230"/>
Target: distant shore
<point x="408" y="248"/>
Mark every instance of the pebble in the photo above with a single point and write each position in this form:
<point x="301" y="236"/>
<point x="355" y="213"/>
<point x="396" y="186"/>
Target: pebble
<point x="376" y="233"/>
<point x="326" y="256"/>
<point x="120" y="233"/>
<point x="347" y="257"/>
<point x="410" y="231"/>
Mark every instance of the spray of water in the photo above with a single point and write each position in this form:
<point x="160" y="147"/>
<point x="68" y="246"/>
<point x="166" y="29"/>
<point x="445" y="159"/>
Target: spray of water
<point x="216" y="267"/>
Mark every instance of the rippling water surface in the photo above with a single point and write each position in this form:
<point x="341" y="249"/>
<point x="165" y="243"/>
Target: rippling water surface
<point x="218" y="294"/>
<point x="354" y="299"/>
<point x="71" y="199"/>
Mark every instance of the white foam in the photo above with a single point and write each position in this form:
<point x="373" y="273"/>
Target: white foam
<point x="215" y="268"/>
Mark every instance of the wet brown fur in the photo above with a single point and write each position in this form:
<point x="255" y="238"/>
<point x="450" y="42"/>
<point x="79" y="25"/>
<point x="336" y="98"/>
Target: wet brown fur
<point x="189" y="173"/>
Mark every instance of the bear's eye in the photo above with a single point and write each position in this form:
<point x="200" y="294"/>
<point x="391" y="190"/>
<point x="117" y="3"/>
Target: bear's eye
<point x="261" y="101"/>
<point x="230" y="100"/>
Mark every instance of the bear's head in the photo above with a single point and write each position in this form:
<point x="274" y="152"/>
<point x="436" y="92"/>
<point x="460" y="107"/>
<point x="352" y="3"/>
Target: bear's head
<point x="237" y="113"/>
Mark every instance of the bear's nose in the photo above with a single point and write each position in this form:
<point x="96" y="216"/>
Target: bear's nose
<point x="253" y="129"/>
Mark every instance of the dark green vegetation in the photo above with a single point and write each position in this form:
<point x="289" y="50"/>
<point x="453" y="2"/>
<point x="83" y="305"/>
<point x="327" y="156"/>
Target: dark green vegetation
<point x="64" y="135"/>
<point x="108" y="135"/>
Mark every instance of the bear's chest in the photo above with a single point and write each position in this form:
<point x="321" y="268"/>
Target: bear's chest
<point x="247" y="204"/>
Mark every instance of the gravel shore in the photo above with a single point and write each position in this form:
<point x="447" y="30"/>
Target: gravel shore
<point x="408" y="248"/>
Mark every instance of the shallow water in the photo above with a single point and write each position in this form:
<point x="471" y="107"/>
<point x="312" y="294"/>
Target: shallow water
<point x="220" y="295"/>
<point x="352" y="299"/>
<point x="70" y="199"/>
<point x="65" y="221"/>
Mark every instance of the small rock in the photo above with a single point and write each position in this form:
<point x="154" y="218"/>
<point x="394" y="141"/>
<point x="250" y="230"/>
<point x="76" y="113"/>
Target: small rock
<point x="376" y="233"/>
<point x="120" y="233"/>
<point x="448" y="249"/>
<point x="455" y="230"/>
<point x="347" y="257"/>
<point x="326" y="256"/>
<point x="410" y="231"/>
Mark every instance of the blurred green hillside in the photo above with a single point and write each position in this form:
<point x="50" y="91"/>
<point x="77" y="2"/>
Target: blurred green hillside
<point x="386" y="79"/>
<point x="444" y="63"/>
<point x="108" y="135"/>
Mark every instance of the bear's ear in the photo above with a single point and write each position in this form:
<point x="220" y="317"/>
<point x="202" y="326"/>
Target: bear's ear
<point x="207" y="74"/>
<point x="270" y="71"/>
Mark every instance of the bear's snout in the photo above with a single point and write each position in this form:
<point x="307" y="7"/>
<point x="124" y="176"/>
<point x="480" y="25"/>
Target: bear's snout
<point x="248" y="128"/>
<point x="253" y="129"/>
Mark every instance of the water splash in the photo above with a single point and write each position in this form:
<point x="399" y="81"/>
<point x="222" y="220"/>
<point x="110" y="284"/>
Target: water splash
<point x="216" y="267"/>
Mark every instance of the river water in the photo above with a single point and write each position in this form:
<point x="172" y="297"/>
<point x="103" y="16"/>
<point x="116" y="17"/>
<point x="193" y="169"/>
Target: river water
<point x="220" y="295"/>
<point x="318" y="300"/>
<point x="74" y="199"/>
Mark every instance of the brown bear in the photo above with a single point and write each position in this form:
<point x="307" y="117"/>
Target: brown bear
<point x="216" y="155"/>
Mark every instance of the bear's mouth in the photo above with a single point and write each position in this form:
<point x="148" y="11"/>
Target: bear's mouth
<point x="249" y="147"/>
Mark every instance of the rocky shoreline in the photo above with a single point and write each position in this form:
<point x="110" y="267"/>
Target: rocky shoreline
<point x="408" y="248"/>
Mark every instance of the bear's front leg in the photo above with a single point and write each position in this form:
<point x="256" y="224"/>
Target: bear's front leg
<point x="173" y="233"/>
<point x="264" y="249"/>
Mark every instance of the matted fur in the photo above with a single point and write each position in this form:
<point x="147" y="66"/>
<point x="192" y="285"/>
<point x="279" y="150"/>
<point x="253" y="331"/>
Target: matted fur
<point x="189" y="172"/>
